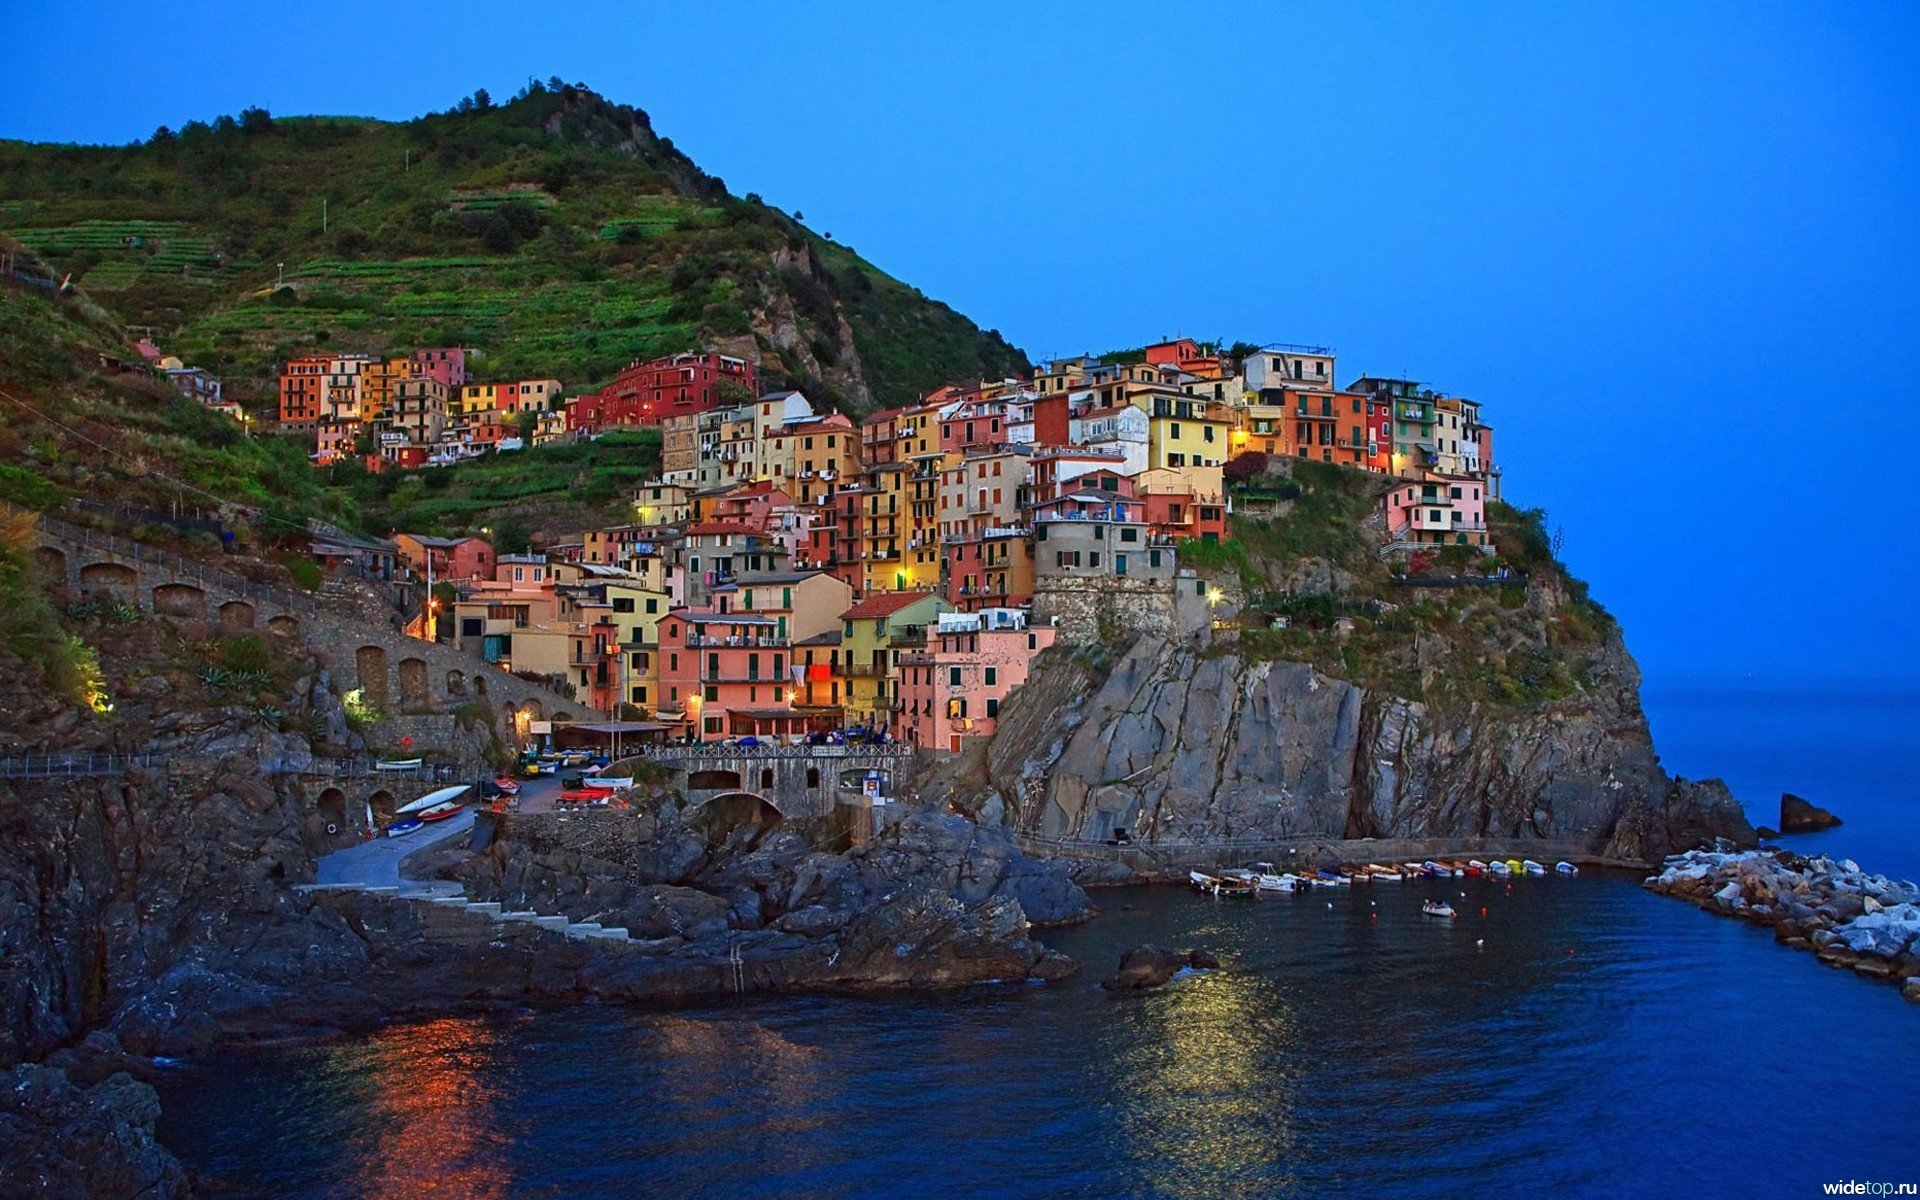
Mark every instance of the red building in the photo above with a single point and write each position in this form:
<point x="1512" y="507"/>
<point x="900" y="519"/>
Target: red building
<point x="303" y="389"/>
<point x="648" y="393"/>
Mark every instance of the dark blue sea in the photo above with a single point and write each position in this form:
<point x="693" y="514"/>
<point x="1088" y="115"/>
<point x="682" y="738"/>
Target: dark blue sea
<point x="1563" y="1037"/>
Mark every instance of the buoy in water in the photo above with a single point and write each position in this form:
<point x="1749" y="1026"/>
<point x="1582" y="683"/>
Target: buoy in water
<point x="1483" y="910"/>
<point x="1479" y="943"/>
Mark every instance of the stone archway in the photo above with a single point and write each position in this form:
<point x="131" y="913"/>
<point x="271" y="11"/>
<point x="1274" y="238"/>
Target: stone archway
<point x="713" y="779"/>
<point x="415" y="692"/>
<point x="109" y="578"/>
<point x="382" y="804"/>
<point x="284" y="626"/>
<point x="51" y="563"/>
<point x="370" y="673"/>
<point x="180" y="600"/>
<point x="332" y="807"/>
<point x="728" y="814"/>
<point x="237" y="616"/>
<point x="457" y="684"/>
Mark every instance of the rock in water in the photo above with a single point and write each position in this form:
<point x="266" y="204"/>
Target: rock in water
<point x="1150" y="966"/>
<point x="1798" y="816"/>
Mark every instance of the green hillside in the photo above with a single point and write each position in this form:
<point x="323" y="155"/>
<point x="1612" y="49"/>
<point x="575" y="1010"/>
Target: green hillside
<point x="556" y="233"/>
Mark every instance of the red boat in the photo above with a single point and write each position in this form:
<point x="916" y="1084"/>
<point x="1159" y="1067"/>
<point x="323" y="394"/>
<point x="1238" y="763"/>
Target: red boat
<point x="440" y="811"/>
<point x="507" y="784"/>
<point x="580" y="796"/>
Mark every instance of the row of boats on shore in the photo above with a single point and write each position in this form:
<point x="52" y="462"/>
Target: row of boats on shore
<point x="1263" y="877"/>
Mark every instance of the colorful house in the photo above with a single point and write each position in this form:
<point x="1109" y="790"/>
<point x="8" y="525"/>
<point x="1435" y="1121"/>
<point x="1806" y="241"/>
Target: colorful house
<point x="725" y="675"/>
<point x="447" y="559"/>
<point x="953" y="689"/>
<point x="1438" y="511"/>
<point x="874" y="633"/>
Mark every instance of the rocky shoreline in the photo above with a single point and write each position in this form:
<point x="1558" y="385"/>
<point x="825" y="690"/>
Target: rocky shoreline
<point x="1846" y="917"/>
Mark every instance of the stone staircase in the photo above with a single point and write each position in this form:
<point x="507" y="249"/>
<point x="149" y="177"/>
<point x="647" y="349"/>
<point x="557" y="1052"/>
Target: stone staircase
<point x="450" y="898"/>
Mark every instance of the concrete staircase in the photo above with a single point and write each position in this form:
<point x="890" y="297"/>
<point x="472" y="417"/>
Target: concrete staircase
<point x="450" y="898"/>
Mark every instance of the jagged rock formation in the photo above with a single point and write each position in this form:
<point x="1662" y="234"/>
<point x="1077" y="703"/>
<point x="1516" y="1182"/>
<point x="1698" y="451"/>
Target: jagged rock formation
<point x="1176" y="744"/>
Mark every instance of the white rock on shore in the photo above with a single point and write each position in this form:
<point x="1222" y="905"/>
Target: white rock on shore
<point x="1847" y="917"/>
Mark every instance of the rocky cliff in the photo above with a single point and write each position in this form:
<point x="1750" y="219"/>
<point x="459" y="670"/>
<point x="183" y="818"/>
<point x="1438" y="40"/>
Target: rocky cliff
<point x="1175" y="743"/>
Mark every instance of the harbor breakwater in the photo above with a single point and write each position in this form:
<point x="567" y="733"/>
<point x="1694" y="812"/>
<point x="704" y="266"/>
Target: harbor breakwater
<point x="1846" y="917"/>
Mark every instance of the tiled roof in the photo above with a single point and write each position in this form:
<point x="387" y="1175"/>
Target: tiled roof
<point x="883" y="605"/>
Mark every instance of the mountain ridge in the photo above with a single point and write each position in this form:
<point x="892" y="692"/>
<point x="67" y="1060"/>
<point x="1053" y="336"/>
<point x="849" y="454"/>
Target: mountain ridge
<point x="557" y="233"/>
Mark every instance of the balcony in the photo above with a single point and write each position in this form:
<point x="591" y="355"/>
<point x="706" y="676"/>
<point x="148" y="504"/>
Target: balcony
<point x="736" y="642"/>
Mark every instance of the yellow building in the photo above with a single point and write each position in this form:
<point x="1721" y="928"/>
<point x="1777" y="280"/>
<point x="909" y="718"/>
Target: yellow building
<point x="1185" y="432"/>
<point x="873" y="635"/>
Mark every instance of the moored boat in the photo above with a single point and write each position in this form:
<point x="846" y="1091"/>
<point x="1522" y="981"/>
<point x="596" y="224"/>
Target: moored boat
<point x="433" y="799"/>
<point x="1438" y="908"/>
<point x="1515" y="866"/>
<point x="1533" y="868"/>
<point x="441" y="811"/>
<point x="1438" y="870"/>
<point x="507" y="784"/>
<point x="1267" y="879"/>
<point x="1414" y="870"/>
<point x="1566" y="868"/>
<point x="403" y="827"/>
<point x="1476" y="867"/>
<point x="608" y="783"/>
<point x="1499" y="869"/>
<point x="1385" y="874"/>
<point x="397" y="764"/>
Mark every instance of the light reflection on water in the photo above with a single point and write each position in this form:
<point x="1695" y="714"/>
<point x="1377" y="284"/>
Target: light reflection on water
<point x="1599" y="1044"/>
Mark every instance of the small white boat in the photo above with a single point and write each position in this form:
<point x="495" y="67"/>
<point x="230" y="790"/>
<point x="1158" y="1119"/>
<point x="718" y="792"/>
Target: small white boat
<point x="1499" y="868"/>
<point x="1436" y="869"/>
<point x="1274" y="883"/>
<point x="403" y="827"/>
<point x="1438" y="908"/>
<point x="1476" y="866"/>
<point x="607" y="783"/>
<point x="434" y="799"/>
<point x="1533" y="868"/>
<point x="397" y="764"/>
<point x="1385" y="874"/>
<point x="1566" y="868"/>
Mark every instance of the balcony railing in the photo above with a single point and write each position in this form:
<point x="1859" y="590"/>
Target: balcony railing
<point x="736" y="641"/>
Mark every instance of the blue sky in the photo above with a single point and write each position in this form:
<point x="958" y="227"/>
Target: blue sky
<point x="1674" y="249"/>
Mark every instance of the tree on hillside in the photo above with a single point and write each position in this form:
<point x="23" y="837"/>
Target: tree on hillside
<point x="255" y="120"/>
<point x="1244" y="468"/>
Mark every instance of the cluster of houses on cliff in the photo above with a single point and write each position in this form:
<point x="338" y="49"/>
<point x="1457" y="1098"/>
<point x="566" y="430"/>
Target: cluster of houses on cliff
<point x="795" y="572"/>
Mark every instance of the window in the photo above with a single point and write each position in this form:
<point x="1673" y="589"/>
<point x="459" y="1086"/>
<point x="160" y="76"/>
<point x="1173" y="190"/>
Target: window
<point x="1093" y="559"/>
<point x="953" y="676"/>
<point x="711" y="693"/>
<point x="653" y="604"/>
<point x="623" y="604"/>
<point x="992" y="676"/>
<point x="993" y="707"/>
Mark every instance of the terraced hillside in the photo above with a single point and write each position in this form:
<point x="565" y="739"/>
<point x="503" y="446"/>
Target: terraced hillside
<point x="557" y="233"/>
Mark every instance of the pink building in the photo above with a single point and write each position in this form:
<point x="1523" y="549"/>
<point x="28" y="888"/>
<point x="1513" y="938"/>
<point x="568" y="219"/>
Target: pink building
<point x="449" y="366"/>
<point x="954" y="689"/>
<point x="1438" y="511"/>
